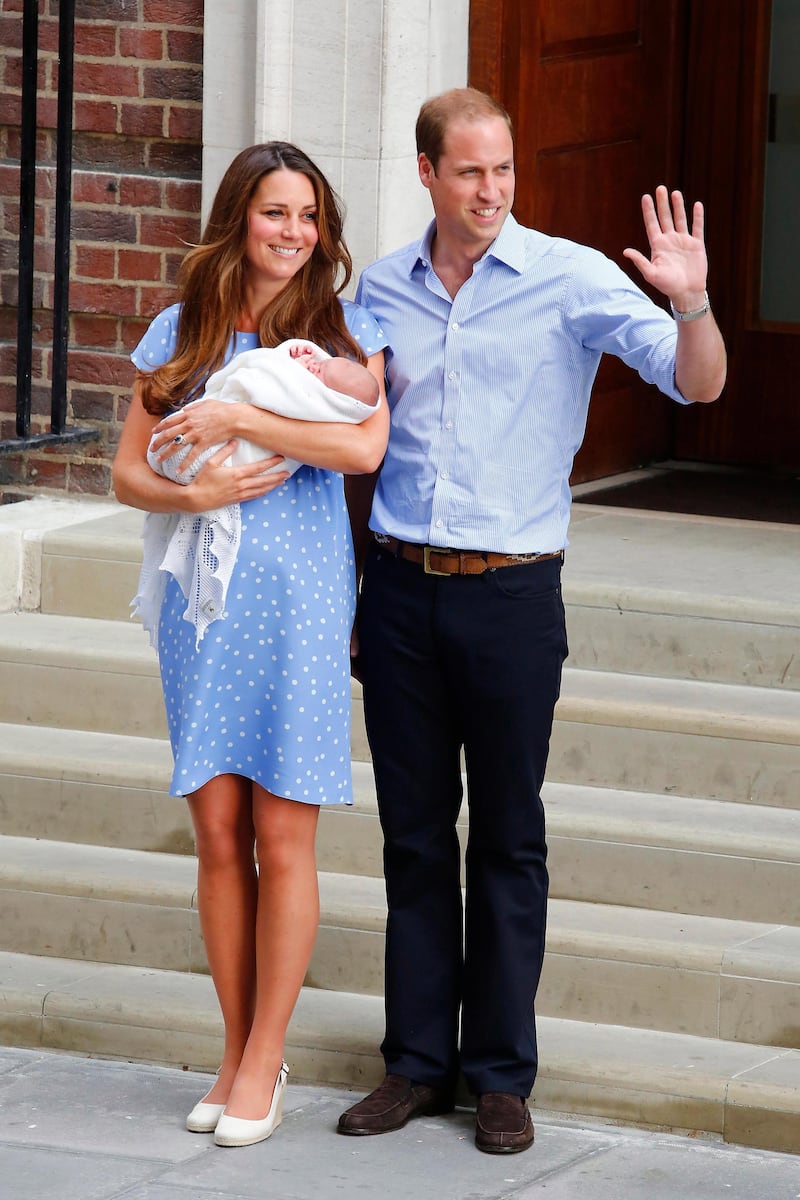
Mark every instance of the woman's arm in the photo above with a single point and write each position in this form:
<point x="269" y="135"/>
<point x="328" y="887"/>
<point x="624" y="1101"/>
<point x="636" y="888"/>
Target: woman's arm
<point x="334" y="445"/>
<point x="138" y="485"/>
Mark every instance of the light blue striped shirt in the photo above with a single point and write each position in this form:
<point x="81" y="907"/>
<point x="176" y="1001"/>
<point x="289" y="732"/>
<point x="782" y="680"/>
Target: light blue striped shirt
<point x="489" y="392"/>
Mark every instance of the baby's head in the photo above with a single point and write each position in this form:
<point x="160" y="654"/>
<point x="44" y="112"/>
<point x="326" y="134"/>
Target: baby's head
<point x="345" y="375"/>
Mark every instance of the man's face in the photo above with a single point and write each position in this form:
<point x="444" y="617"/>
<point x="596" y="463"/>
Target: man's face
<point x="472" y="188"/>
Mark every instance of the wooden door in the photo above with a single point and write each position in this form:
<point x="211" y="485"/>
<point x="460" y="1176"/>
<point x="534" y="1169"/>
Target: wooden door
<point x="729" y="123"/>
<point x="593" y="90"/>
<point x="610" y="99"/>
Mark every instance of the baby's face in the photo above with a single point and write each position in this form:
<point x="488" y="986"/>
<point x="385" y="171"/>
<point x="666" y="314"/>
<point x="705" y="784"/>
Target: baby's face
<point x="333" y="373"/>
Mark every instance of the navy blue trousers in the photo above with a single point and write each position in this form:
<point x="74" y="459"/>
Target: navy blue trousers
<point x="454" y="662"/>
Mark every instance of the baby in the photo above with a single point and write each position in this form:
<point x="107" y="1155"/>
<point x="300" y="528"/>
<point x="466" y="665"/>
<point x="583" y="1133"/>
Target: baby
<point x="257" y="377"/>
<point x="341" y="374"/>
<point x="296" y="379"/>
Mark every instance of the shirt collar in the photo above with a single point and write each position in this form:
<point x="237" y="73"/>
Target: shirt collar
<point x="422" y="250"/>
<point x="508" y="247"/>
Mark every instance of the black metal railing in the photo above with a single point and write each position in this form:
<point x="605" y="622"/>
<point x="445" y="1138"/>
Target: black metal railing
<point x="59" y="432"/>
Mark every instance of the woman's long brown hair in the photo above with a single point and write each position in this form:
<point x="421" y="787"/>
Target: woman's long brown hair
<point x="212" y="275"/>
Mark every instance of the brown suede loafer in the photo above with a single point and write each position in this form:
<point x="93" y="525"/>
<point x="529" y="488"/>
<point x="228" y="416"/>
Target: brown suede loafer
<point x="503" y="1124"/>
<point x="393" y="1103"/>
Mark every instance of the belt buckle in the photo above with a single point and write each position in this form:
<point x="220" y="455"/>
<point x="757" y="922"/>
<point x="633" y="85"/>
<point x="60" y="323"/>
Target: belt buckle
<point x="426" y="561"/>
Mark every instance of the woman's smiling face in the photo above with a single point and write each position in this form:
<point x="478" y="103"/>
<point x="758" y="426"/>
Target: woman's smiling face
<point x="281" y="228"/>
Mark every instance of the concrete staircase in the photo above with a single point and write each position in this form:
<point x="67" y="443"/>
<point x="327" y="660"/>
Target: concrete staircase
<point x="671" y="990"/>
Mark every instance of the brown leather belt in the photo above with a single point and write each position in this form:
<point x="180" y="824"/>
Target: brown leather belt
<point x="437" y="560"/>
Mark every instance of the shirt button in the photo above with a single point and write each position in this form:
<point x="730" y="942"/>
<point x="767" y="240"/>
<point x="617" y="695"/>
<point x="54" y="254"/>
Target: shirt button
<point x="439" y="524"/>
<point x="449" y="425"/>
<point x="444" y="475"/>
<point x="452" y="375"/>
<point x="454" y="325"/>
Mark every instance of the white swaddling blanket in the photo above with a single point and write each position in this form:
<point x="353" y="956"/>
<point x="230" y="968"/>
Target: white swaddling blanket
<point x="199" y="549"/>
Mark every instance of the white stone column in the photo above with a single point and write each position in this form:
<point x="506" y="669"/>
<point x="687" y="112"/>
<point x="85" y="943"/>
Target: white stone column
<point x="229" y="41"/>
<point x="344" y="80"/>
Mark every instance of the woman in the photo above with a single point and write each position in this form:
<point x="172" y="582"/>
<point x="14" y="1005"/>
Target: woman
<point x="259" y="713"/>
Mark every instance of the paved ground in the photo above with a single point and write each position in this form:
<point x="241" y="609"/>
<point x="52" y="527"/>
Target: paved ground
<point x="82" y="1129"/>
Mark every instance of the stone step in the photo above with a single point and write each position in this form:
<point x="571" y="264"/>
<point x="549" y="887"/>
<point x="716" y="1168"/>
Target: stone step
<point x="104" y="789"/>
<point x="79" y="673"/>
<point x="604" y="963"/>
<point x="669" y="853"/>
<point x="744" y="1093"/>
<point x="718" y="649"/>
<point x="636" y="849"/>
<point x="91" y="674"/>
<point x="92" y="569"/>
<point x="669" y="595"/>
<point x="734" y="979"/>
<point x="672" y="853"/>
<point x="693" y="738"/>
<point x="620" y="615"/>
<point x="23" y="529"/>
<point x="722" y="741"/>
<point x="98" y="904"/>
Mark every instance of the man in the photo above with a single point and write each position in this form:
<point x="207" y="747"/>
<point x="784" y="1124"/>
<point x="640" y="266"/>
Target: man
<point x="495" y="335"/>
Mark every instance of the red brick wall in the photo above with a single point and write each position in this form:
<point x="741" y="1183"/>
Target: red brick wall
<point x="135" y="202"/>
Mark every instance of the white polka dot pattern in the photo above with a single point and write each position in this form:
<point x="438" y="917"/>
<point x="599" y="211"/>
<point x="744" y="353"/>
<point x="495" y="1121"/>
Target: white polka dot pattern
<point x="267" y="694"/>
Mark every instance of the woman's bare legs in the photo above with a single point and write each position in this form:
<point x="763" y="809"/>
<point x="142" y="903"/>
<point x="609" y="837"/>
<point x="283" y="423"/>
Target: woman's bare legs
<point x="286" y="926"/>
<point x="222" y="813"/>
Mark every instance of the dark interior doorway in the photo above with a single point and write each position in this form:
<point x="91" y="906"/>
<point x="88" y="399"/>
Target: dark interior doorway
<point x="704" y="490"/>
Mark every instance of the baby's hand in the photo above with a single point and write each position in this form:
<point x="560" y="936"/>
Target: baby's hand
<point x="303" y="355"/>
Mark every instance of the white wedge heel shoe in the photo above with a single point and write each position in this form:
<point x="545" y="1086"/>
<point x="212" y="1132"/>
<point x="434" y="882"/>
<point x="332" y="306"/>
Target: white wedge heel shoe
<point x="236" y="1131"/>
<point x="203" y="1117"/>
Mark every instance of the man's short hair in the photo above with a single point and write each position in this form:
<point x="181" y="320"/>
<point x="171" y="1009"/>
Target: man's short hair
<point x="458" y="104"/>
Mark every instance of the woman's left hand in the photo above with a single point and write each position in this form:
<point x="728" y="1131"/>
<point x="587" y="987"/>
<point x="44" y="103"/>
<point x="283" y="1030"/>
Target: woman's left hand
<point x="206" y="423"/>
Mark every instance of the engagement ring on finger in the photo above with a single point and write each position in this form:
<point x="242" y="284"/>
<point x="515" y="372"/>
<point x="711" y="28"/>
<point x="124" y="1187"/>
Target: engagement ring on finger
<point x="179" y="439"/>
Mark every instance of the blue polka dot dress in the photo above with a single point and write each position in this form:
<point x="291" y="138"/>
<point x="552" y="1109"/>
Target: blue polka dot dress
<point x="267" y="693"/>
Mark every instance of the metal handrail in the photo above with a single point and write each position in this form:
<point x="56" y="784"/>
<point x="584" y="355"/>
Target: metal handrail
<point x="27" y="200"/>
<point x="59" y="432"/>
